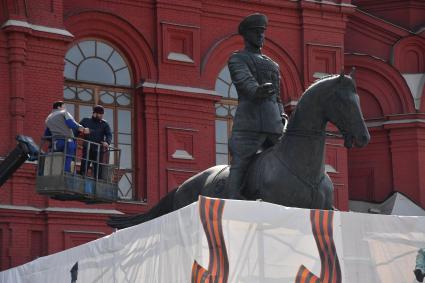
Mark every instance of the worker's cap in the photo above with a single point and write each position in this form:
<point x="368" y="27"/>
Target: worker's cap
<point x="253" y="21"/>
<point x="98" y="109"/>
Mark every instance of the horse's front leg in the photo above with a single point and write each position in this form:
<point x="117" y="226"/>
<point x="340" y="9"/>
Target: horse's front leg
<point x="325" y="194"/>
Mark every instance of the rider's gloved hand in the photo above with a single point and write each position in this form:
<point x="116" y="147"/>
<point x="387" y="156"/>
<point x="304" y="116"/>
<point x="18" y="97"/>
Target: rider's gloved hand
<point x="265" y="90"/>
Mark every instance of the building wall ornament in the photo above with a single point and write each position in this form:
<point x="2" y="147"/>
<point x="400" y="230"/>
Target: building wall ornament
<point x="24" y="24"/>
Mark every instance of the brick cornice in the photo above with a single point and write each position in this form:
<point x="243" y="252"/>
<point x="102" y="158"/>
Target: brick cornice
<point x="374" y="5"/>
<point x="19" y="26"/>
<point x="376" y="28"/>
<point x="193" y="92"/>
<point x="327" y="6"/>
<point x="401" y="121"/>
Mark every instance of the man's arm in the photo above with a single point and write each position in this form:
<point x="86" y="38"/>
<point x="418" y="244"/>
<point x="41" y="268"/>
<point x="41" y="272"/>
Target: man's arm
<point x="242" y="77"/>
<point x="47" y="132"/>
<point x="83" y="122"/>
<point x="245" y="83"/>
<point x="108" y="133"/>
<point x="71" y="123"/>
<point x="48" y="137"/>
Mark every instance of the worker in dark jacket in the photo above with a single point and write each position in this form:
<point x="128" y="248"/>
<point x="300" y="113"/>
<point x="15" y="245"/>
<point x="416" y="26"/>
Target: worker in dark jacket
<point x="100" y="137"/>
<point x="258" y="122"/>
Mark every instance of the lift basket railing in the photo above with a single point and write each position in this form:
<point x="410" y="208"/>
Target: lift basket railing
<point x="77" y="169"/>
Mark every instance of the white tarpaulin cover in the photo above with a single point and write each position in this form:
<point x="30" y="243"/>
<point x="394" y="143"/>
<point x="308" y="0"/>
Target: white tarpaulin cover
<point x="396" y="204"/>
<point x="242" y="241"/>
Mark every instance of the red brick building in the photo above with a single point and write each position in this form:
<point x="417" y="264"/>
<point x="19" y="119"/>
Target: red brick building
<point x="159" y="69"/>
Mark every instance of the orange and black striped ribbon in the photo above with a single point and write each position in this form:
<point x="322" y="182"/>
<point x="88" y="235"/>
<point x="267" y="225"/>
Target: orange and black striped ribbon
<point x="322" y="226"/>
<point x="211" y="212"/>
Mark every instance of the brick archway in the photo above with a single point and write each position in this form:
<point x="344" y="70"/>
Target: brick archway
<point x="120" y="33"/>
<point x="391" y="90"/>
<point x="409" y="55"/>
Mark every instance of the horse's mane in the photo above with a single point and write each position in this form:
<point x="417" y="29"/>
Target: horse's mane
<point x="325" y="77"/>
<point x="320" y="80"/>
<point x="330" y="77"/>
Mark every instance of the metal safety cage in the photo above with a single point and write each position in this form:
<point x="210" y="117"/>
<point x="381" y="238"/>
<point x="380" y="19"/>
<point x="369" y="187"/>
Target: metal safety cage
<point x="66" y="170"/>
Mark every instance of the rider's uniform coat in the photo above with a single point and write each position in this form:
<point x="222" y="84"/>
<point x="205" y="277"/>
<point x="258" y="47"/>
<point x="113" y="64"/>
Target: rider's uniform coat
<point x="264" y="115"/>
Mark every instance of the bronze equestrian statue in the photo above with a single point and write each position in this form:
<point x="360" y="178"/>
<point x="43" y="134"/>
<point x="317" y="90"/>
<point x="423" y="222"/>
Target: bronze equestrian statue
<point x="258" y="123"/>
<point x="292" y="172"/>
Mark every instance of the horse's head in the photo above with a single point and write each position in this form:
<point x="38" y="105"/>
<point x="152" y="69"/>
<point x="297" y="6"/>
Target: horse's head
<point x="343" y="110"/>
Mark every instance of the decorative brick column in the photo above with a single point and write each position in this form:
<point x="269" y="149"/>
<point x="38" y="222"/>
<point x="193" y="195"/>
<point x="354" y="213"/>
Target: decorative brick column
<point x="407" y="137"/>
<point x="180" y="122"/>
<point x="17" y="45"/>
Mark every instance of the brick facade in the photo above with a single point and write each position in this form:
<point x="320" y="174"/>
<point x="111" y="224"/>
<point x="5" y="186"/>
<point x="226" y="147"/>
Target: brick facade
<point x="175" y="50"/>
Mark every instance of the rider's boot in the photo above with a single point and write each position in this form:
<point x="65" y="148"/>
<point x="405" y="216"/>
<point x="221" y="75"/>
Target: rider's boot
<point x="233" y="184"/>
<point x="419" y="275"/>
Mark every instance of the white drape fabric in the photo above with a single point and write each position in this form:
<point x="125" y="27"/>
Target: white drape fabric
<point x="263" y="243"/>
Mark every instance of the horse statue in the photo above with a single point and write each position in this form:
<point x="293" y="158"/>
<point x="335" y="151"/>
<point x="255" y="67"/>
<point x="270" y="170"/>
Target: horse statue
<point x="292" y="172"/>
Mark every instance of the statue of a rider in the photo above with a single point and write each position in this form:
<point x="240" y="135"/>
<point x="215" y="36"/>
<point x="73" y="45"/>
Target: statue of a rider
<point x="258" y="123"/>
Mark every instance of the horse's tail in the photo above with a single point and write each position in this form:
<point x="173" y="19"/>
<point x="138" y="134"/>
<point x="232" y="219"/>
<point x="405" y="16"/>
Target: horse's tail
<point x="164" y="206"/>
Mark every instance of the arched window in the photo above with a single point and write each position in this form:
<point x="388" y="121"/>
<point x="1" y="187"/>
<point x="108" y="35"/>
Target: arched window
<point x="96" y="73"/>
<point x="96" y="62"/>
<point x="225" y="112"/>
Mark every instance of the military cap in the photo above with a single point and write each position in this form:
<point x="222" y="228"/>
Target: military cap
<point x="98" y="109"/>
<point x="256" y="20"/>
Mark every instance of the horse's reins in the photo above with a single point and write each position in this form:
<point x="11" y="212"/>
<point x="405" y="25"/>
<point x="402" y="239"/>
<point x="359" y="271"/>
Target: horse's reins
<point x="307" y="133"/>
<point x="313" y="133"/>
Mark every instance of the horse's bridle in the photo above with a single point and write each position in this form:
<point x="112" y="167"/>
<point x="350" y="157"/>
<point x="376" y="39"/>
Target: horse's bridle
<point x="316" y="133"/>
